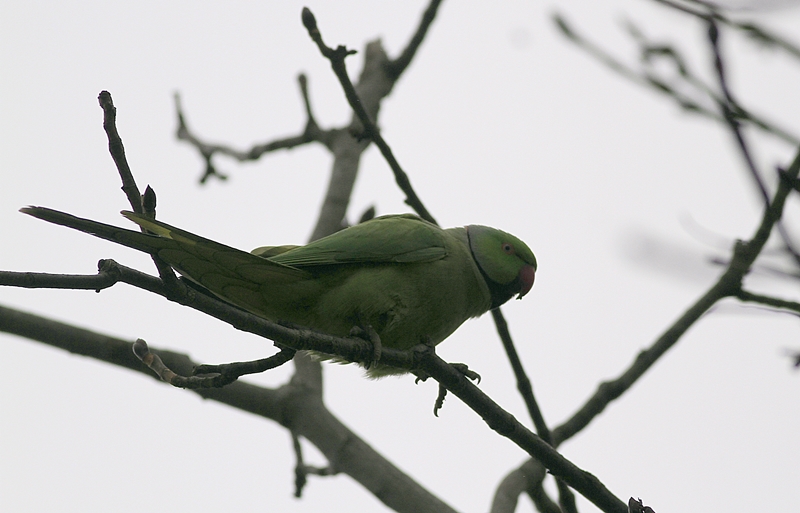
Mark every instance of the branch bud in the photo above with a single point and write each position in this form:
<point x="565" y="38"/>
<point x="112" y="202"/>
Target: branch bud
<point x="309" y="21"/>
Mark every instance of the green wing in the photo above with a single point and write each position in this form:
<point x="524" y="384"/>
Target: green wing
<point x="207" y="262"/>
<point x="303" y="285"/>
<point x="401" y="238"/>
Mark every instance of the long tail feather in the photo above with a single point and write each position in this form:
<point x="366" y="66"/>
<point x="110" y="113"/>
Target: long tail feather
<point x="215" y="266"/>
<point x="132" y="239"/>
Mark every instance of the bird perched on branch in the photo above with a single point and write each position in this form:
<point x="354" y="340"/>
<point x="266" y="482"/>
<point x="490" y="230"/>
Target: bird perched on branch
<point x="398" y="277"/>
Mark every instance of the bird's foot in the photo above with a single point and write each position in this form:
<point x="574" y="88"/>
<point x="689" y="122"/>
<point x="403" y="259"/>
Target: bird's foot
<point x="369" y="334"/>
<point x="467" y="372"/>
<point x="426" y="346"/>
<point x="421" y="376"/>
<point x="463" y="369"/>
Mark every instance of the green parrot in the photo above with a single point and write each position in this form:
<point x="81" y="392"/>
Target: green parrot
<point x="399" y="275"/>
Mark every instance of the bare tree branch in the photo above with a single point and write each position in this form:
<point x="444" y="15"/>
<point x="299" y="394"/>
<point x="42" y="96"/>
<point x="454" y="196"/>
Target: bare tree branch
<point x="525" y="388"/>
<point x="311" y="133"/>
<point x="728" y="112"/>
<point x="729" y="284"/>
<point x="400" y="64"/>
<point x="731" y="116"/>
<point x="136" y="200"/>
<point x="421" y="358"/>
<point x="523" y="382"/>
<point x="293" y="405"/>
<point x="506" y="425"/>
<point x="373" y="86"/>
<point x="302" y="471"/>
<point x="691" y="104"/>
<point x="774" y="302"/>
<point x="526" y="478"/>
<point x="360" y="107"/>
<point x="752" y="30"/>
<point x="117" y="151"/>
<point x="208" y="376"/>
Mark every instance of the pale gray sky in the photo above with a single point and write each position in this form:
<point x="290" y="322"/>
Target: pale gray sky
<point x="500" y="122"/>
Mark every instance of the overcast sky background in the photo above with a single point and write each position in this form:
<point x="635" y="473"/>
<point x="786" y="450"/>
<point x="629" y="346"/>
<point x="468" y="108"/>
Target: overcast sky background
<point x="499" y="121"/>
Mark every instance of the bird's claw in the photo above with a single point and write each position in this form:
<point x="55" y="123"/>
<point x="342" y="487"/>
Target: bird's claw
<point x="467" y="372"/>
<point x="369" y="334"/>
<point x="421" y="376"/>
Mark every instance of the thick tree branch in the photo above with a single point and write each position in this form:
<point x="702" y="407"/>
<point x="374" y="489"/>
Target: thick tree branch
<point x="294" y="406"/>
<point x="421" y="358"/>
<point x="506" y="425"/>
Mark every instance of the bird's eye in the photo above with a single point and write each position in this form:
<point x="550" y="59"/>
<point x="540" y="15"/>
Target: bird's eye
<point x="508" y="248"/>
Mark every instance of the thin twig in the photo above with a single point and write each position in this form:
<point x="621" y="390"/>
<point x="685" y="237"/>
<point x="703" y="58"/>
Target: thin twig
<point x="729" y="284"/>
<point x="397" y="66"/>
<point x="506" y="425"/>
<point x="97" y="282"/>
<point x="658" y="85"/>
<point x="311" y="133"/>
<point x="783" y="304"/>
<point x="299" y="476"/>
<point x="370" y="130"/>
<point x="729" y="112"/>
<point x="129" y="187"/>
<point x="523" y="382"/>
<point x="748" y="28"/>
<point x="302" y="471"/>
<point x="732" y="114"/>
<point x="117" y="151"/>
<point x="566" y="497"/>
<point x="209" y="376"/>
<point x="526" y="478"/>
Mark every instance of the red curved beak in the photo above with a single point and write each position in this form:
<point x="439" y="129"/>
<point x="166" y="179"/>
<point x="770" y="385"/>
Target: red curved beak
<point x="526" y="277"/>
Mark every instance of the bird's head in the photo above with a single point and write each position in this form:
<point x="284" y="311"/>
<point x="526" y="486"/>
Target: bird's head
<point x="507" y="263"/>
